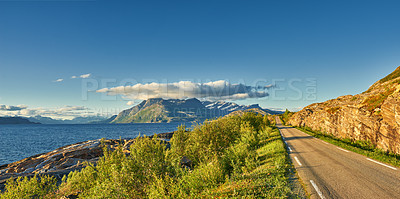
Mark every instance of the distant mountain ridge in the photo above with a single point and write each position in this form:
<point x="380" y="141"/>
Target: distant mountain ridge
<point x="158" y="110"/>
<point x="15" y="120"/>
<point x="77" y="120"/>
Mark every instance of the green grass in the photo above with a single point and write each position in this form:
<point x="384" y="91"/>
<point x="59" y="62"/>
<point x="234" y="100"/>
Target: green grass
<point x="376" y="101"/>
<point x="285" y="116"/>
<point x="365" y="148"/>
<point x="231" y="157"/>
<point x="269" y="178"/>
<point x="391" y="76"/>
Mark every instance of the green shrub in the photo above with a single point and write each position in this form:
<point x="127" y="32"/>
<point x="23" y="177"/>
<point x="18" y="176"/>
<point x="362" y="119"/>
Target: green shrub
<point x="286" y="116"/>
<point x="212" y="138"/>
<point x="178" y="144"/>
<point x="117" y="175"/>
<point x="207" y="175"/>
<point x="25" y="187"/>
<point x="266" y="120"/>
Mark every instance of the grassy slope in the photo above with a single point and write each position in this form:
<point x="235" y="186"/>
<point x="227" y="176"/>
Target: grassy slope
<point x="268" y="180"/>
<point x="153" y="113"/>
<point x="393" y="75"/>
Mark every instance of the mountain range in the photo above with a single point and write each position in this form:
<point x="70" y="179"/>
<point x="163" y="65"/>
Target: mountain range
<point x="157" y="110"/>
<point x="77" y="120"/>
<point x="15" y="120"/>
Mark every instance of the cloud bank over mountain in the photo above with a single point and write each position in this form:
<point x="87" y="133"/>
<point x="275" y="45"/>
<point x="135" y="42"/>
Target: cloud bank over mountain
<point x="217" y="90"/>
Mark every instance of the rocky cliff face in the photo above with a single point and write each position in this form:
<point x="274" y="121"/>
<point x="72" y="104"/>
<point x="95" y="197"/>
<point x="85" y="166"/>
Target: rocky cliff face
<point x="373" y="115"/>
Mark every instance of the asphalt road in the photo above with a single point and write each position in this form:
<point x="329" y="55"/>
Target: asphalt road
<point x="332" y="172"/>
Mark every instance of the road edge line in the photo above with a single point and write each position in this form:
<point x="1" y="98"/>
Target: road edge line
<point x="343" y="149"/>
<point x="317" y="189"/>
<point x="394" y="168"/>
<point x="298" y="161"/>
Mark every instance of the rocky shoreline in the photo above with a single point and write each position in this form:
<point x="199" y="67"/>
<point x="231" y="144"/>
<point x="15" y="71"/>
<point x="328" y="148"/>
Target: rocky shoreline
<point x="66" y="159"/>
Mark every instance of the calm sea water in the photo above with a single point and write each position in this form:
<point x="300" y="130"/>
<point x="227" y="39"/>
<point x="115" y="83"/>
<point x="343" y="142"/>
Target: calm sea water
<point x="21" y="141"/>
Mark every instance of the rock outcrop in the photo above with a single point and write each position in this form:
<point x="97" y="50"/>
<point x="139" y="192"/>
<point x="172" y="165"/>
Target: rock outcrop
<point x="373" y="115"/>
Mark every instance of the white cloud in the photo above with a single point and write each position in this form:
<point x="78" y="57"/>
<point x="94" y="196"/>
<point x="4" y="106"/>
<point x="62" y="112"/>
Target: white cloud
<point x="185" y="89"/>
<point x="72" y="108"/>
<point x="66" y="112"/>
<point x="130" y="103"/>
<point x="28" y="112"/>
<point x="58" y="80"/>
<point x="85" y="76"/>
<point x="12" y="108"/>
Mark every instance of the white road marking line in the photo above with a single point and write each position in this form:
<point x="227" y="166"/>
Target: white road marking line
<point x="342" y="149"/>
<point x="289" y="148"/>
<point x="325" y="142"/>
<point x="317" y="189"/>
<point x="382" y="164"/>
<point x="297" y="160"/>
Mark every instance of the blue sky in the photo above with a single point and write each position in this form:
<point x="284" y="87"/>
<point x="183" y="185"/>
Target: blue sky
<point x="344" y="46"/>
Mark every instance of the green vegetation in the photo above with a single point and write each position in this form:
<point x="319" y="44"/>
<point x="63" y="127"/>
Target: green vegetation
<point x="35" y="187"/>
<point x="376" y="101"/>
<point x="154" y="113"/>
<point x="393" y="75"/>
<point x="231" y="157"/>
<point x="365" y="148"/>
<point x="286" y="116"/>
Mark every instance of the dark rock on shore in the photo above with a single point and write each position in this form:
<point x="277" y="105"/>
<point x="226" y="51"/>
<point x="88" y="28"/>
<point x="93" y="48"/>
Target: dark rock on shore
<point x="166" y="136"/>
